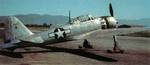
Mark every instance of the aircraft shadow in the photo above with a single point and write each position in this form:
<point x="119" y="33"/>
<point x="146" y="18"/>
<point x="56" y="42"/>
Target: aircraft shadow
<point x="79" y="52"/>
<point x="11" y="54"/>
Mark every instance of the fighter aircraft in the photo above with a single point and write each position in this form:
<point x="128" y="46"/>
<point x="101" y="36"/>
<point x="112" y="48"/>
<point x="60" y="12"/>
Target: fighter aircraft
<point x="79" y="26"/>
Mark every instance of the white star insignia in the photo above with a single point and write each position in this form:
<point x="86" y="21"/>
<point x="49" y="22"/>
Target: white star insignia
<point x="59" y="33"/>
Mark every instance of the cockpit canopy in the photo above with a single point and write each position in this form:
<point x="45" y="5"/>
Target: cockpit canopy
<point x="82" y="18"/>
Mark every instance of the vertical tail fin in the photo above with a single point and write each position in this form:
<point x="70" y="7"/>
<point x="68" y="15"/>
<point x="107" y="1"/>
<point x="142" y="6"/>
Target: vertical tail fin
<point x="18" y="29"/>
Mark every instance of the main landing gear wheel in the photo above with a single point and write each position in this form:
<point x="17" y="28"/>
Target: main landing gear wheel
<point x="86" y="45"/>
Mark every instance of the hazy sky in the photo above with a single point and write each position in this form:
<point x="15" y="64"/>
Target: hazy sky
<point x="123" y="9"/>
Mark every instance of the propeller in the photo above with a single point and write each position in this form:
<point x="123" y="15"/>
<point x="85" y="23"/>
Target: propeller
<point x="111" y="10"/>
<point x="106" y="17"/>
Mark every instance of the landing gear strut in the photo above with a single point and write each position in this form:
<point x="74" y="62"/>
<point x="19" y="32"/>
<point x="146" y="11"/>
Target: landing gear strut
<point x="116" y="48"/>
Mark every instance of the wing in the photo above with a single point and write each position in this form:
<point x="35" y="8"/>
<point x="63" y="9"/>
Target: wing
<point x="109" y="32"/>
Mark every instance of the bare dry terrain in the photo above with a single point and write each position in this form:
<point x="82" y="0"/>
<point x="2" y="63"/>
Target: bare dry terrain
<point x="66" y="53"/>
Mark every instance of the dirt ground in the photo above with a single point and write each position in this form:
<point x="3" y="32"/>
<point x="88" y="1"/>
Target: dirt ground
<point x="67" y="53"/>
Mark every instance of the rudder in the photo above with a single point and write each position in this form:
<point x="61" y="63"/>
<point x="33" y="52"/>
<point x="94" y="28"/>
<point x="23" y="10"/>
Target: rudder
<point x="17" y="29"/>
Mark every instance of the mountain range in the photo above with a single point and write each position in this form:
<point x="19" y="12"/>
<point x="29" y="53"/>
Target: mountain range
<point x="41" y="19"/>
<point x="60" y="19"/>
<point x="142" y="22"/>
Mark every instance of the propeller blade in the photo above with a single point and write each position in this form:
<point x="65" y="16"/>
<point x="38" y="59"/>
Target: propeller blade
<point x="111" y="10"/>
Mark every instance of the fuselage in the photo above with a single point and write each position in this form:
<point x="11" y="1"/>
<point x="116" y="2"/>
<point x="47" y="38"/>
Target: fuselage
<point x="74" y="29"/>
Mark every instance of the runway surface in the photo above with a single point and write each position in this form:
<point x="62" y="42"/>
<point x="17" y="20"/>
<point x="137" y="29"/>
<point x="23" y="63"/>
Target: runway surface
<point x="137" y="52"/>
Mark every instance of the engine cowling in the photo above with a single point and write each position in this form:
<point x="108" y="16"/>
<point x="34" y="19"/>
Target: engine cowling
<point x="108" y="22"/>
